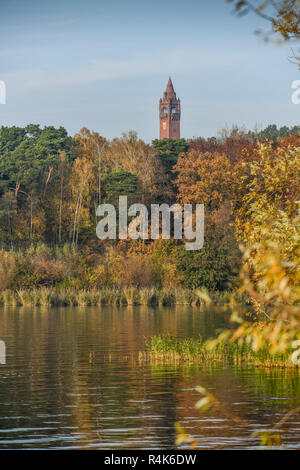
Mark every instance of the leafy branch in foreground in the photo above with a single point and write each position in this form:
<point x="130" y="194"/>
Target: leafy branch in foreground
<point x="268" y="437"/>
<point x="283" y="15"/>
<point x="268" y="222"/>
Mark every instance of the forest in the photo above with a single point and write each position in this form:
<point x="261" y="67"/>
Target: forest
<point x="52" y="183"/>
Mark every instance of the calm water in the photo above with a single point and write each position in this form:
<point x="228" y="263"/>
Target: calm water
<point x="73" y="380"/>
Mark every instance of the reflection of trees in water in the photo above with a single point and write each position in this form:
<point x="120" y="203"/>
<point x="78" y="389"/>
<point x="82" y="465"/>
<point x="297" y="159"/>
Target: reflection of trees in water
<point x="159" y="403"/>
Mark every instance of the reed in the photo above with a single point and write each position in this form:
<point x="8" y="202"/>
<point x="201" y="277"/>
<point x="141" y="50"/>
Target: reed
<point x="151" y="296"/>
<point x="167" y="349"/>
<point x="186" y="297"/>
<point x="131" y="295"/>
<point x="9" y="297"/>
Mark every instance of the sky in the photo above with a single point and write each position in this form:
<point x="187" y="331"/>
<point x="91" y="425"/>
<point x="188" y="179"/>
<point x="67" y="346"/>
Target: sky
<point x="104" y="64"/>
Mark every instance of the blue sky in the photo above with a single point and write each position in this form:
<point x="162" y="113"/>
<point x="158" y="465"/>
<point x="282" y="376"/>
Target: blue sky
<point x="104" y="65"/>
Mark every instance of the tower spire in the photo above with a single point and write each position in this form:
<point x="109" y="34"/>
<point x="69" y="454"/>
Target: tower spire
<point x="170" y="89"/>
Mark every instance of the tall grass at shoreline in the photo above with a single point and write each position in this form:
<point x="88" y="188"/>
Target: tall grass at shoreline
<point x="45" y="296"/>
<point x="166" y="349"/>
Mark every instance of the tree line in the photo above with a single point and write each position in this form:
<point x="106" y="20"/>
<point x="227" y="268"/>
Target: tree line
<point x="51" y="184"/>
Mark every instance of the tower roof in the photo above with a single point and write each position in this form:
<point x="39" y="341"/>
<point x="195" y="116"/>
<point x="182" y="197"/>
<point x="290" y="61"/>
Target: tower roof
<point x="170" y="84"/>
<point x="170" y="89"/>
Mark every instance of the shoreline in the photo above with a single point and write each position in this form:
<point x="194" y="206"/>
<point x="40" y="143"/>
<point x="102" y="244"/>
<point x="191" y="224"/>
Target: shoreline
<point x="59" y="297"/>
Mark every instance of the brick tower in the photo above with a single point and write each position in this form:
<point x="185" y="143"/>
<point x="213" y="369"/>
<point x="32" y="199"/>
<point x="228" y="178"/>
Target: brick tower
<point x="169" y="114"/>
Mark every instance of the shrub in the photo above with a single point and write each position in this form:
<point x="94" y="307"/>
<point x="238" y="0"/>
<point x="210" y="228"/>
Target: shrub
<point x="138" y="272"/>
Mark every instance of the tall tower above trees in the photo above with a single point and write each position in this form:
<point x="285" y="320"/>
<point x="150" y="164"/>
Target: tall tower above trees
<point x="169" y="113"/>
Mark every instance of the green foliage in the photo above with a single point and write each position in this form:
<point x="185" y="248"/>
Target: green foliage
<point x="121" y="183"/>
<point x="169" y="150"/>
<point x="272" y="133"/>
<point x="210" y="267"/>
<point x="26" y="155"/>
<point x="10" y="138"/>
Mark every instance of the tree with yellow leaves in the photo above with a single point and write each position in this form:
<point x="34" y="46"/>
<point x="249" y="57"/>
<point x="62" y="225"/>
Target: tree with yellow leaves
<point x="268" y="225"/>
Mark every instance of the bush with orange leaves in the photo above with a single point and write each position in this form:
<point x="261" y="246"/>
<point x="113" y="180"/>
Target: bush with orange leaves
<point x="203" y="178"/>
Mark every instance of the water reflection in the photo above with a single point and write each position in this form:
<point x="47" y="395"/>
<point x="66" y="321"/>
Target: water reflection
<point x="73" y="380"/>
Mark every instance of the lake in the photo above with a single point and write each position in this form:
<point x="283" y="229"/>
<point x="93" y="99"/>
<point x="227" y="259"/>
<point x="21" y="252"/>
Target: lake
<point x="73" y="380"/>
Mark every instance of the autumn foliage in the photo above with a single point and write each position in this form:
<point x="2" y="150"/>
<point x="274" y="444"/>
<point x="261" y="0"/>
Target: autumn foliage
<point x="51" y="185"/>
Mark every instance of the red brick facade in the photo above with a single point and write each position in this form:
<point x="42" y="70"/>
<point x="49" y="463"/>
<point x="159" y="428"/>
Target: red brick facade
<point x="169" y="114"/>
